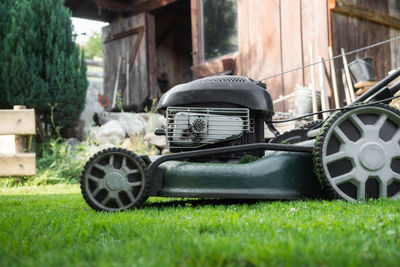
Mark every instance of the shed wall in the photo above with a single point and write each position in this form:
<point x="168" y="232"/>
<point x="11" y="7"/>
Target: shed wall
<point x="122" y="49"/>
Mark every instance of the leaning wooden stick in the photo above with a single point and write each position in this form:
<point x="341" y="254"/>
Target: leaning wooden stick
<point x="334" y="81"/>
<point x="116" y="83"/>
<point x="313" y="90"/>
<point x="346" y="89"/>
<point x="127" y="77"/>
<point x="324" y="95"/>
<point x="348" y="78"/>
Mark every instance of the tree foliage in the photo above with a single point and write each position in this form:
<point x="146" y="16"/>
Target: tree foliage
<point x="93" y="47"/>
<point x="220" y="27"/>
<point x="5" y="6"/>
<point x="42" y="66"/>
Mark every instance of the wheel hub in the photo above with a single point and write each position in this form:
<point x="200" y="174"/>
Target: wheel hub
<point x="114" y="181"/>
<point x="372" y="156"/>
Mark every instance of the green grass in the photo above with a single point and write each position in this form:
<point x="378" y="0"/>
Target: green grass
<point x="52" y="226"/>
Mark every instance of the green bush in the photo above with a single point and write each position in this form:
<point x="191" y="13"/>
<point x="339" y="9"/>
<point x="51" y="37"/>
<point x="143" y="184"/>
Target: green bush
<point x="5" y="6"/>
<point x="43" y="68"/>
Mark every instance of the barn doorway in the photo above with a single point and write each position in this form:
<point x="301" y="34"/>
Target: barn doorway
<point x="173" y="45"/>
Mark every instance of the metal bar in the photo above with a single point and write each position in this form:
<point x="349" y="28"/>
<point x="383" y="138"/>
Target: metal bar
<point x="230" y="149"/>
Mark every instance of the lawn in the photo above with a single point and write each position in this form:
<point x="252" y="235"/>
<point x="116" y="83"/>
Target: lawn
<point x="52" y="226"/>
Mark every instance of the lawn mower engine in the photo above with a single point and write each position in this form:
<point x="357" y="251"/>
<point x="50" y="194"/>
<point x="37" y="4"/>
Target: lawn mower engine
<point x="218" y="111"/>
<point x="214" y="123"/>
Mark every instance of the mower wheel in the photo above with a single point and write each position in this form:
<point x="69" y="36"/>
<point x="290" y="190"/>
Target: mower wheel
<point x="357" y="153"/>
<point x="298" y="134"/>
<point x="115" y="179"/>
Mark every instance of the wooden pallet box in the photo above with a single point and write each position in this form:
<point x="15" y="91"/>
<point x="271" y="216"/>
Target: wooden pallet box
<point x="17" y="124"/>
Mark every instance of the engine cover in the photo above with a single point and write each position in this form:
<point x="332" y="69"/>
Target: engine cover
<point x="235" y="91"/>
<point x="195" y="127"/>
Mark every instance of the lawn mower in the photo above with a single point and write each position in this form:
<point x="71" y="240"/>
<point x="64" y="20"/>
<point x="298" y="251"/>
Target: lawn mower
<point x="215" y="133"/>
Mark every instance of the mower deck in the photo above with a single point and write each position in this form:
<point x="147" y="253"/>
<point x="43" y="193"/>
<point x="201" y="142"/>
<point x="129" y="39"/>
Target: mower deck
<point x="278" y="175"/>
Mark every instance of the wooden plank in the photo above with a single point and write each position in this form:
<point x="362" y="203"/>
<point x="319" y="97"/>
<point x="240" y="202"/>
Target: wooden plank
<point x="314" y="14"/>
<point x="112" y="51"/>
<point x="364" y="13"/>
<point x="196" y="33"/>
<point x="19" y="122"/>
<point x="292" y="51"/>
<point x="141" y="65"/>
<point x="219" y="65"/>
<point x="394" y="9"/>
<point x="123" y="34"/>
<point x="362" y="84"/>
<point x="312" y="81"/>
<point x="264" y="52"/>
<point x="132" y="7"/>
<point x="342" y="36"/>
<point x="94" y="74"/>
<point x="334" y="80"/>
<point x="21" y="164"/>
<point x="242" y="63"/>
<point x="351" y="33"/>
<point x="151" y="55"/>
<point x="91" y="62"/>
<point x="348" y="77"/>
<point x="21" y="141"/>
<point x="112" y="5"/>
<point x="146" y="6"/>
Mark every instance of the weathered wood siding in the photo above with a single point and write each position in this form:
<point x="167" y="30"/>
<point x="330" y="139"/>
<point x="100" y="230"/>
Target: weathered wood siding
<point x="351" y="33"/>
<point x="394" y="9"/>
<point x="274" y="36"/>
<point x="113" y="50"/>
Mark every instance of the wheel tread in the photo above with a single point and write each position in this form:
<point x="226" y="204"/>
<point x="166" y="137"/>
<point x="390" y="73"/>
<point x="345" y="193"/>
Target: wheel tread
<point x="317" y="151"/>
<point x="147" y="183"/>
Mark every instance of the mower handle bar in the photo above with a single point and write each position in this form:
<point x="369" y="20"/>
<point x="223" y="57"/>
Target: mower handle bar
<point x="377" y="87"/>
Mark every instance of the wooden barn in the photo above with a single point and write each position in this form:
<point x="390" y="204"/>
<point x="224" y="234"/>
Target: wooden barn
<point x="152" y="45"/>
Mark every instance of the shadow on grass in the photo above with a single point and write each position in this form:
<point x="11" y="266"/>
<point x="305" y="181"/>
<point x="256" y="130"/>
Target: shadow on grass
<point x="203" y="202"/>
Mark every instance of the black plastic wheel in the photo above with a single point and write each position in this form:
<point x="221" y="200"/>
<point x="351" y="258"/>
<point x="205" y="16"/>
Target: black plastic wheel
<point x="357" y="153"/>
<point x="311" y="125"/>
<point x="115" y="179"/>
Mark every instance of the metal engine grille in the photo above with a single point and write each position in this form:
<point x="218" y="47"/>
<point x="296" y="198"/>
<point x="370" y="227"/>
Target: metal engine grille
<point x="214" y="125"/>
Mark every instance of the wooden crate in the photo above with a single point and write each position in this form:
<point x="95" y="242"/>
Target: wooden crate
<point x="18" y="122"/>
